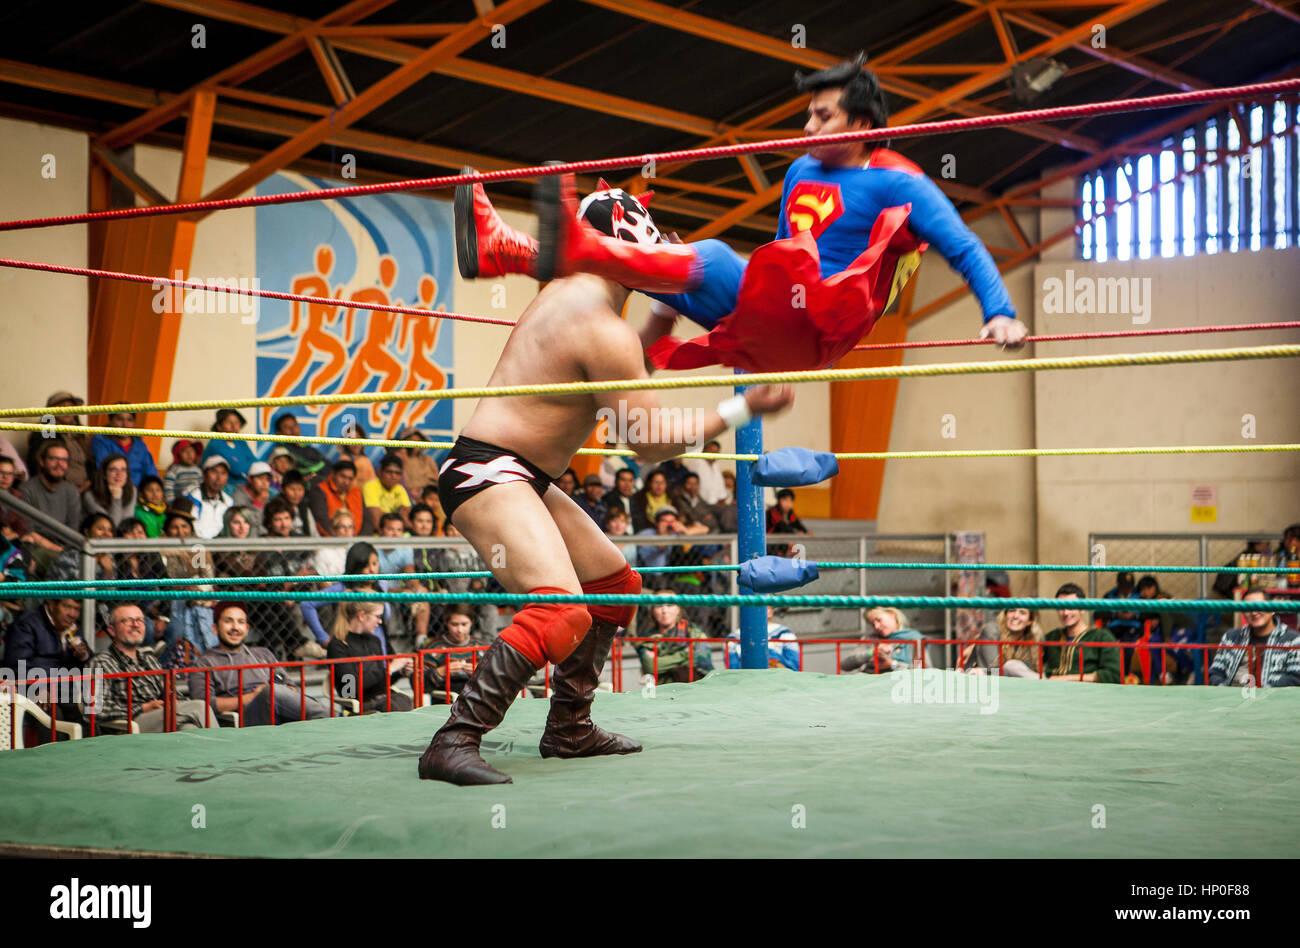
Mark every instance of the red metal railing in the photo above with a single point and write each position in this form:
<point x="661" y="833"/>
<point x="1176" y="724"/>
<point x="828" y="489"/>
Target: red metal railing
<point x="419" y="657"/>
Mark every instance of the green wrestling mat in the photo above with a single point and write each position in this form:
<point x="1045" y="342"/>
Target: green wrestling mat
<point x="766" y="763"/>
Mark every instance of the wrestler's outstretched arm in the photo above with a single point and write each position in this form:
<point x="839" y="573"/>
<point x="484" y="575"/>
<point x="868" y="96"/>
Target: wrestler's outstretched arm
<point x="655" y="433"/>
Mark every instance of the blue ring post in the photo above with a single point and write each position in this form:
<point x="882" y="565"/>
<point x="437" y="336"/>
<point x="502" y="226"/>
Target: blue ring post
<point x="753" y="539"/>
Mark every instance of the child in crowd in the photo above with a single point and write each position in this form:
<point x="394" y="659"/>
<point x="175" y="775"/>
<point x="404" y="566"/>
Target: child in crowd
<point x="184" y="472"/>
<point x="151" y="505"/>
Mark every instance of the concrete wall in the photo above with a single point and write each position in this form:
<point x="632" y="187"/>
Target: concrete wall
<point x="43" y="315"/>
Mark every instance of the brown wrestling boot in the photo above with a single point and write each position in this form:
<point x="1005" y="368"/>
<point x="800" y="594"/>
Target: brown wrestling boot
<point x="453" y="754"/>
<point x="486" y="246"/>
<point x="569" y="728"/>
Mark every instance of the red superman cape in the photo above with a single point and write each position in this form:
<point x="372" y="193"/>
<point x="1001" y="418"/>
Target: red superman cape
<point x="787" y="318"/>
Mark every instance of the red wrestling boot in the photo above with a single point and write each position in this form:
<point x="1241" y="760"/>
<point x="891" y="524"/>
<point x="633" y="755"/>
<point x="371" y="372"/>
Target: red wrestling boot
<point x="568" y="245"/>
<point x="570" y="732"/>
<point x="485" y="244"/>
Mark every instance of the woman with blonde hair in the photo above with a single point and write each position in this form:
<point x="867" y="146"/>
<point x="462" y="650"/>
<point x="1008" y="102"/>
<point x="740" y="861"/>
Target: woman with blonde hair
<point x="890" y="625"/>
<point x="1019" y="660"/>
<point x="352" y="635"/>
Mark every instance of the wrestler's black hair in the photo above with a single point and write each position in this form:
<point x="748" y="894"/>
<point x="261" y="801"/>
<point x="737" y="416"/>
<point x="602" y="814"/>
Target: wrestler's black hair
<point x="862" y="97"/>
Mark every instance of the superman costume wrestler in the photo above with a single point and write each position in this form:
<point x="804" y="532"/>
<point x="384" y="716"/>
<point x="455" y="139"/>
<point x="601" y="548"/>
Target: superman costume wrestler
<point x="854" y="222"/>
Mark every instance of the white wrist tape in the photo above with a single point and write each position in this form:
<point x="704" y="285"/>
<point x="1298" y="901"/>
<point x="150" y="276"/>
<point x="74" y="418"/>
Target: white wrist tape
<point x="735" y="411"/>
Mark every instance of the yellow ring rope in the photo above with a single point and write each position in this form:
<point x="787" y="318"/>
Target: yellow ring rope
<point x="842" y="455"/>
<point x="697" y="381"/>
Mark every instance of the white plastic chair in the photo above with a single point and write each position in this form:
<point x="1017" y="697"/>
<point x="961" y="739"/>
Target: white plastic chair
<point x="14" y="707"/>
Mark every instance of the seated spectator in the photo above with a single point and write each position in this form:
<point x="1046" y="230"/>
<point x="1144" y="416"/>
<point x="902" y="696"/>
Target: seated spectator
<point x="11" y="484"/>
<point x="281" y="463"/>
<point x="782" y="645"/>
<point x="617" y="524"/>
<point x="218" y="666"/>
<point x="1251" y="654"/>
<point x="356" y="453"/>
<point x="589" y="500"/>
<point x="394" y="559"/>
<point x="691" y="504"/>
<point x="568" y="482"/>
<point x="352" y="636"/>
<point x="622" y="494"/>
<point x="712" y="487"/>
<point x="675" y="471"/>
<point x="1124" y="625"/>
<point x="185" y="473"/>
<point x="111" y="491"/>
<point x="293" y="489"/>
<point x="362" y="559"/>
<point x="648" y="500"/>
<point x="150" y="506"/>
<point x="238" y="455"/>
<point x="210" y="499"/>
<point x="306" y="460"/>
<point x="80" y="463"/>
<point x="127" y="627"/>
<point x="429" y="496"/>
<point x="237" y="525"/>
<point x="890" y="625"/>
<point x="386" y="495"/>
<point x="665" y="524"/>
<point x="147" y="566"/>
<point x="458" y="632"/>
<point x="1019" y="660"/>
<point x="14" y="568"/>
<point x="191" y="619"/>
<point x="331" y="560"/>
<point x="255" y="492"/>
<point x="726" y="510"/>
<point x="424" y="523"/>
<point x="677" y="661"/>
<point x="68" y="565"/>
<point x="1063" y="663"/>
<point x="139" y="461"/>
<point x="278" y="623"/>
<point x="47" y="636"/>
<point x="337" y="492"/>
<point x="418" y="468"/>
<point x="51" y="494"/>
<point x="782" y="519"/>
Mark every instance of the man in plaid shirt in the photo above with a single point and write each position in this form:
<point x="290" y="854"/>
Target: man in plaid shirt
<point x="1255" y="660"/>
<point x="126" y="627"/>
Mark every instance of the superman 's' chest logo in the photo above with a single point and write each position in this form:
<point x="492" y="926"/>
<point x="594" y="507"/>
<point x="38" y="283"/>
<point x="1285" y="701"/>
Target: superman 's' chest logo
<point x="813" y="206"/>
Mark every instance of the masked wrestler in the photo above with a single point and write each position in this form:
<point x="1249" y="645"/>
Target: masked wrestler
<point x="496" y="487"/>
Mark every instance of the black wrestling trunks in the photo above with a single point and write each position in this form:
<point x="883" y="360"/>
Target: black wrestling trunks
<point x="474" y="466"/>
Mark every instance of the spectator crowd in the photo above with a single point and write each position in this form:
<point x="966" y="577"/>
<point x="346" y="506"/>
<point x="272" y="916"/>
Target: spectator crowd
<point x="109" y="486"/>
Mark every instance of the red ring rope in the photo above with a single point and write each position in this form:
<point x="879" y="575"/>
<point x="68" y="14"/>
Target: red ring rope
<point x="717" y="151"/>
<point x="246" y="291"/>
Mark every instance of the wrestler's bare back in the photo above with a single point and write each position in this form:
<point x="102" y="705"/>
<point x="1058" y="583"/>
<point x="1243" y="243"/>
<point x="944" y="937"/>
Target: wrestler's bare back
<point x="568" y="333"/>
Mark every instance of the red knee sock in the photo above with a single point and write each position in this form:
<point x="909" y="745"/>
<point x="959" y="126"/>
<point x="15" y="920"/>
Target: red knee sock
<point x="625" y="581"/>
<point x="549" y="631"/>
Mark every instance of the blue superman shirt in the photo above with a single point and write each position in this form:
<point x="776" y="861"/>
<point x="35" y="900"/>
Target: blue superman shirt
<point x="840" y="206"/>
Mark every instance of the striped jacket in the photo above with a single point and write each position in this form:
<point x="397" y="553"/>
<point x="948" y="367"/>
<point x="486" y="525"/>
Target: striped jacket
<point x="1280" y="667"/>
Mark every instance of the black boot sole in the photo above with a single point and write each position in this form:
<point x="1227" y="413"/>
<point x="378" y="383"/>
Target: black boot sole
<point x="546" y="201"/>
<point x="466" y="232"/>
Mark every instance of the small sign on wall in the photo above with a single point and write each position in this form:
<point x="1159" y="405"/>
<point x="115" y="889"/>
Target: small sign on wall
<point x="1205" y="503"/>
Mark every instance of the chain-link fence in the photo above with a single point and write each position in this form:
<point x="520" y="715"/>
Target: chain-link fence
<point x="1185" y="549"/>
